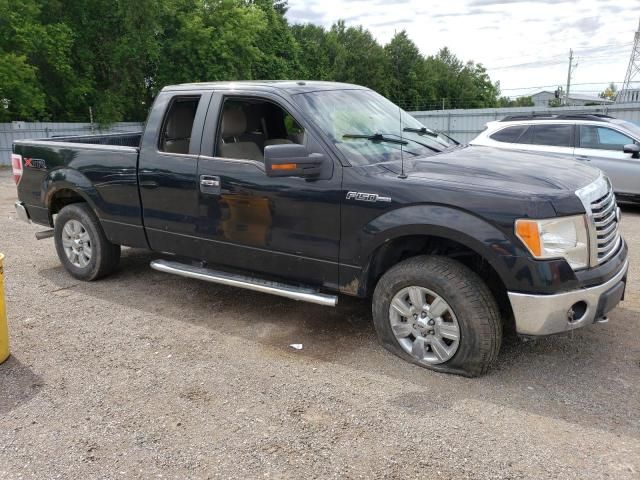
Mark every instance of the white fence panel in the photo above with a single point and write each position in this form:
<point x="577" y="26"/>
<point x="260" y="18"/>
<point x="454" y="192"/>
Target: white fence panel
<point x="464" y="125"/>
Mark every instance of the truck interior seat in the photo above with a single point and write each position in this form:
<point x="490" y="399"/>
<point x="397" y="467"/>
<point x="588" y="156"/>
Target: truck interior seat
<point x="234" y="124"/>
<point x="178" y="130"/>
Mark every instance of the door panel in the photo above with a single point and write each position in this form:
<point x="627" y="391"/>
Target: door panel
<point x="623" y="170"/>
<point x="286" y="226"/>
<point x="168" y="179"/>
<point x="599" y="146"/>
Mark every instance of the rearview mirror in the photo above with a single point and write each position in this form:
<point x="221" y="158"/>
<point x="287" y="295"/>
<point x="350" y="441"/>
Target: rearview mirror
<point x="633" y="149"/>
<point x="291" y="160"/>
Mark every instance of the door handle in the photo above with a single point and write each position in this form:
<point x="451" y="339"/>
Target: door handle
<point x="149" y="184"/>
<point x="209" y="184"/>
<point x="584" y="158"/>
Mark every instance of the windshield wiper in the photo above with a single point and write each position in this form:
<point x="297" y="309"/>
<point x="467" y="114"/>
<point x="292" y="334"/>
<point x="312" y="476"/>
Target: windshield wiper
<point x="379" y="137"/>
<point x="422" y="130"/>
<point x="376" y="137"/>
<point x="431" y="133"/>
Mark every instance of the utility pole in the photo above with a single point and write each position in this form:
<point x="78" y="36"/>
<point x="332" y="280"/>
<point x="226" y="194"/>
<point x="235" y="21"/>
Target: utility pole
<point x="571" y="66"/>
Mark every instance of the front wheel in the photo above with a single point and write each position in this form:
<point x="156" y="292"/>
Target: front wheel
<point x="437" y="313"/>
<point x="82" y="246"/>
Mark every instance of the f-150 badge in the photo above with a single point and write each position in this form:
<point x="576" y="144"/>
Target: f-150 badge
<point x="367" y="197"/>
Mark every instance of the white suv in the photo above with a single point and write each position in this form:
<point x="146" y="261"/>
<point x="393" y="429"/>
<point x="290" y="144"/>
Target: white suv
<point x="607" y="143"/>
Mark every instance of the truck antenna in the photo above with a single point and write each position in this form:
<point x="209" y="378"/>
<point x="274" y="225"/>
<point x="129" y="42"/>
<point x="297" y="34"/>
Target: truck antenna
<point x="402" y="174"/>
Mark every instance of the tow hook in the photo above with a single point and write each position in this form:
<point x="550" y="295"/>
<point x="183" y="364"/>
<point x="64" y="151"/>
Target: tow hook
<point x="44" y="234"/>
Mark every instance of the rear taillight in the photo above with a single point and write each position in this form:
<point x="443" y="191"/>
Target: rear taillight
<point x="16" y="163"/>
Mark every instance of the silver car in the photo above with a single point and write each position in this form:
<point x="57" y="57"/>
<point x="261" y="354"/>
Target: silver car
<point x="605" y="142"/>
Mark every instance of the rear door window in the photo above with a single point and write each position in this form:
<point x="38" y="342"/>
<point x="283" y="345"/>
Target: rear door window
<point x="509" y="134"/>
<point x="552" y="135"/>
<point x="602" y="138"/>
<point x="177" y="125"/>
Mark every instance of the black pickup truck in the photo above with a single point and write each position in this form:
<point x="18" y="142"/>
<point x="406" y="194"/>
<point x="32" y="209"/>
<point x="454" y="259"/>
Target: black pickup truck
<point x="311" y="189"/>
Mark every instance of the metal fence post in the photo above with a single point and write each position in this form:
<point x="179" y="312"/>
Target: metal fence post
<point x="4" y="328"/>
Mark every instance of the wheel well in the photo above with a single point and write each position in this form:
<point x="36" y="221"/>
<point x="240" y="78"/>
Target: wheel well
<point x="62" y="198"/>
<point x="400" y="249"/>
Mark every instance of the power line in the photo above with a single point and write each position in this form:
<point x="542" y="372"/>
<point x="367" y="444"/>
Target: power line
<point x="560" y="58"/>
<point x="574" y="84"/>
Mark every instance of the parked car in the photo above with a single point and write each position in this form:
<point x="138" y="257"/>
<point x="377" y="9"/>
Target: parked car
<point x="605" y="142"/>
<point x="312" y="189"/>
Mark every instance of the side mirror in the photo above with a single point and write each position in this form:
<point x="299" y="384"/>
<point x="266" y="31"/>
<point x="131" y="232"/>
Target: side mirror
<point x="633" y="149"/>
<point x="291" y="160"/>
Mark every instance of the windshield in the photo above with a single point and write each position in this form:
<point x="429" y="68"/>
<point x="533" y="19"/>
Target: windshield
<point x="629" y="126"/>
<point x="363" y="124"/>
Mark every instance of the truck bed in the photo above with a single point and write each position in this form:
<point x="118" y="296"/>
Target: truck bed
<point x="131" y="139"/>
<point x="98" y="169"/>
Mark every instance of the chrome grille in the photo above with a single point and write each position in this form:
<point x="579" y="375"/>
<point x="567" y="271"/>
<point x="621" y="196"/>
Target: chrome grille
<point x="604" y="214"/>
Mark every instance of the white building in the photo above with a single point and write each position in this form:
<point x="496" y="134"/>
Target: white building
<point x="542" y="99"/>
<point x="630" y="95"/>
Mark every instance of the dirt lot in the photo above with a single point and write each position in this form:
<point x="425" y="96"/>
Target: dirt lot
<point x="149" y="375"/>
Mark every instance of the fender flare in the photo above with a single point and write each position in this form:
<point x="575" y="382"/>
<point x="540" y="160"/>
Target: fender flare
<point x="463" y="227"/>
<point x="68" y="179"/>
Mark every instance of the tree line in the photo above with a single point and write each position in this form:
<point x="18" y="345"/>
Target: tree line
<point x="59" y="59"/>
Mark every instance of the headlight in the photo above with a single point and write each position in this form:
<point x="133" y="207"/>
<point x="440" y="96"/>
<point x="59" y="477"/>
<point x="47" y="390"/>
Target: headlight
<point x="562" y="237"/>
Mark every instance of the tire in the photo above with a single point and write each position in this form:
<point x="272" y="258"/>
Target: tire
<point x="82" y="246"/>
<point x="470" y="307"/>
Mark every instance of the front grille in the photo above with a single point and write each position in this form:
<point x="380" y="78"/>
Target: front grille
<point x="604" y="212"/>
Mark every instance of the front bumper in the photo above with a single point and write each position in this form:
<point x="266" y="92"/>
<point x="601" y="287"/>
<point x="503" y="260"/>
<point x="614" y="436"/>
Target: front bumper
<point x="22" y="212"/>
<point x="548" y="314"/>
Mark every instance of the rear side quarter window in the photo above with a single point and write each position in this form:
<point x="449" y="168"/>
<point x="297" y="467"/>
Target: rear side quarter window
<point x="175" y="136"/>
<point x="509" y="134"/>
<point x="553" y="135"/>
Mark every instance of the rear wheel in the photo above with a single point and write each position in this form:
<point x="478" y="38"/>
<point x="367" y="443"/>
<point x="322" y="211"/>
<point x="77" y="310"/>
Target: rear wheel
<point x="437" y="313"/>
<point x="82" y="246"/>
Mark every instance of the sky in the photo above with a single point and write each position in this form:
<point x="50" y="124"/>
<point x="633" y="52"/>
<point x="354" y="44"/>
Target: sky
<point x="523" y="43"/>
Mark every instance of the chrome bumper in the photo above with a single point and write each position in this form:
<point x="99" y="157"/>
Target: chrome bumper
<point x="22" y="212"/>
<point x="549" y="314"/>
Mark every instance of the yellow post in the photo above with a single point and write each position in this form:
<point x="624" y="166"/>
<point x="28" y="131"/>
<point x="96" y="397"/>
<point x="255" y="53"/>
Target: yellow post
<point x="4" y="328"/>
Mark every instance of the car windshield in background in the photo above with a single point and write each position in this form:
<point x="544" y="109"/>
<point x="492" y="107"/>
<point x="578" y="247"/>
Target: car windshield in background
<point x="362" y="124"/>
<point x="629" y="126"/>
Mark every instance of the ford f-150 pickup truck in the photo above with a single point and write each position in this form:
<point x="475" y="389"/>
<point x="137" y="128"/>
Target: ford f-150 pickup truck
<point x="313" y="189"/>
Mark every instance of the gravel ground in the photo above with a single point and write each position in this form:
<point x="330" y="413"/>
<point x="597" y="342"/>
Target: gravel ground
<point x="148" y="375"/>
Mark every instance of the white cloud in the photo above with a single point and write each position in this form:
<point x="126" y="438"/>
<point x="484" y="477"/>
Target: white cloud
<point x="522" y="42"/>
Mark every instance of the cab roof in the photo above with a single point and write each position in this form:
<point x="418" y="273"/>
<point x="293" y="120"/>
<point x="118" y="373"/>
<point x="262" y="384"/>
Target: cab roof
<point x="290" y="86"/>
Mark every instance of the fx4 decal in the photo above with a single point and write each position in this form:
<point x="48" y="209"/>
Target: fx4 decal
<point x="35" y="163"/>
<point x="367" y="197"/>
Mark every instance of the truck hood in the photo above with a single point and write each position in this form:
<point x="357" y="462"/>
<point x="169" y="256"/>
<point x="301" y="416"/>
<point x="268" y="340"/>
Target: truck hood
<point x="501" y="170"/>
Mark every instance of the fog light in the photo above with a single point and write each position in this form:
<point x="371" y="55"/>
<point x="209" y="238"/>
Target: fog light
<point x="577" y="311"/>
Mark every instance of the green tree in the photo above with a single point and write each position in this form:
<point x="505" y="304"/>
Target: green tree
<point x="407" y="71"/>
<point x="278" y="47"/>
<point x="34" y="56"/>
<point x="59" y="58"/>
<point x="311" y="40"/>
<point x="610" y="93"/>
<point x="359" y="58"/>
<point x="518" y="102"/>
<point x="205" y="41"/>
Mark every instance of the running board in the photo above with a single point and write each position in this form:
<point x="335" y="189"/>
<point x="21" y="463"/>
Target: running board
<point x="304" y="294"/>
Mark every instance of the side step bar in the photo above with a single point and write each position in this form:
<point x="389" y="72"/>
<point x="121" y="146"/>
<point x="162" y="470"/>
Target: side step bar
<point x="234" y="280"/>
